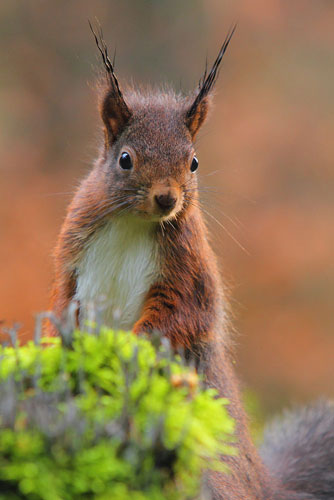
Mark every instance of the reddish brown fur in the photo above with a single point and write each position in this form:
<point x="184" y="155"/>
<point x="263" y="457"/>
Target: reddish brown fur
<point x="187" y="303"/>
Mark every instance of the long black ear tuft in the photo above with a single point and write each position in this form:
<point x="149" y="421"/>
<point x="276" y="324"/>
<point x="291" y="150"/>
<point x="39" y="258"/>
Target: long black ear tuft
<point x="197" y="112"/>
<point x="114" y="110"/>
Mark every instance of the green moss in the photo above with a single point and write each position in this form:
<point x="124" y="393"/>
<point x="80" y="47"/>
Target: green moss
<point x="106" y="416"/>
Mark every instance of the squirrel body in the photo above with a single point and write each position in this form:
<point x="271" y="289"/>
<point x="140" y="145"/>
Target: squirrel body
<point x="134" y="241"/>
<point x="163" y="260"/>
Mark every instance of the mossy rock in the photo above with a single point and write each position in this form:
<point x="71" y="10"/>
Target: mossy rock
<point x="106" y="416"/>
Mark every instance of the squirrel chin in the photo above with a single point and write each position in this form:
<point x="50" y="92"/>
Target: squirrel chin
<point x="151" y="217"/>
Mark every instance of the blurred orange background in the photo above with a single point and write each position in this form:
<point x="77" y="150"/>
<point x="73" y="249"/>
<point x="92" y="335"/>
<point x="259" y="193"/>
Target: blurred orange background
<point x="266" y="154"/>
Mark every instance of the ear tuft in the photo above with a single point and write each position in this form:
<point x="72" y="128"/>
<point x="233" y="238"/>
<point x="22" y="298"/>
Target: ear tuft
<point x="198" y="111"/>
<point x="114" y="110"/>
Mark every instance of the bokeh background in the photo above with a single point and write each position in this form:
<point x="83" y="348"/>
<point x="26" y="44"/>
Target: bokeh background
<point x="266" y="158"/>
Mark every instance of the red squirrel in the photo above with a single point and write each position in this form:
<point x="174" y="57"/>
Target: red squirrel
<point x="134" y="237"/>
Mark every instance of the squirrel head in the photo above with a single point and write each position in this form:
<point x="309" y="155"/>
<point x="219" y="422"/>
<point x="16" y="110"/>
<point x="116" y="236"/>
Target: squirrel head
<point x="149" y="162"/>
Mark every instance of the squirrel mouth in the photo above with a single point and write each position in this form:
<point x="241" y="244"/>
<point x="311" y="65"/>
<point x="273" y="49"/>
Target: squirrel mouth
<point x="159" y="215"/>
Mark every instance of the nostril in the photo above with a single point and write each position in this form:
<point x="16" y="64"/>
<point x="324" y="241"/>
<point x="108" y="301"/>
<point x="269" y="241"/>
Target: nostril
<point x="165" y="201"/>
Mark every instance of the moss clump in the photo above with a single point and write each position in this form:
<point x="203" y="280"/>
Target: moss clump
<point x="105" y="416"/>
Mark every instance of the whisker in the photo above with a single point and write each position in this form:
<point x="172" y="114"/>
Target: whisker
<point x="213" y="189"/>
<point x="211" y="173"/>
<point x="112" y="208"/>
<point x="213" y="205"/>
<point x="161" y="223"/>
<point x="64" y="193"/>
<point x="132" y="190"/>
<point x="236" y="223"/>
<point x="223" y="227"/>
<point x="169" y="222"/>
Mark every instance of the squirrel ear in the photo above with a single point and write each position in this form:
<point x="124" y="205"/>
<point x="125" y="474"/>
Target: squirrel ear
<point x="197" y="116"/>
<point x="115" y="114"/>
<point x="198" y="111"/>
<point x="114" y="110"/>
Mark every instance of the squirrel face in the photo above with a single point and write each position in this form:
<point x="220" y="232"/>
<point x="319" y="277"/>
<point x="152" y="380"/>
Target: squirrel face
<point x="150" y="164"/>
<point x="149" y="161"/>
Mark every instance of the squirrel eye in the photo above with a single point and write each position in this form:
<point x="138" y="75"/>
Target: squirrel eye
<point x="125" y="161"/>
<point x="194" y="164"/>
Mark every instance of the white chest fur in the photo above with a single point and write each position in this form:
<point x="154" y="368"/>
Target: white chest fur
<point x="117" y="270"/>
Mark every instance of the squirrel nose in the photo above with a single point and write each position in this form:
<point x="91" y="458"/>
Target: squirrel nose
<point x="165" y="202"/>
